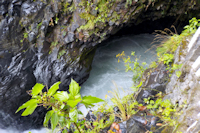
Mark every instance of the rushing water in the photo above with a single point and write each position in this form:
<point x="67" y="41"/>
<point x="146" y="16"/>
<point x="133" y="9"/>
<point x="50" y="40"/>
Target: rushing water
<point x="106" y="69"/>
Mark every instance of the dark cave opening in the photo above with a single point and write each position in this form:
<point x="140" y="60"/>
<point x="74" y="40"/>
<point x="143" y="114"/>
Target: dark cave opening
<point x="149" y="26"/>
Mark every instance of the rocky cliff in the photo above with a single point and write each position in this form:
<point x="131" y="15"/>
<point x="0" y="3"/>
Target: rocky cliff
<point x="54" y="40"/>
<point x="184" y="90"/>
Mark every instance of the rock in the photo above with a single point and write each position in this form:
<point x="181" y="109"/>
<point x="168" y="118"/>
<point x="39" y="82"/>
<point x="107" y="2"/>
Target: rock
<point x="90" y="116"/>
<point x="134" y="127"/>
<point x="184" y="90"/>
<point x="142" y="124"/>
<point x="155" y="82"/>
<point x="69" y="38"/>
<point x="123" y="126"/>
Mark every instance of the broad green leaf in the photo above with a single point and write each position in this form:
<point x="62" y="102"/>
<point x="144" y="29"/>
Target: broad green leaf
<point x="61" y="96"/>
<point x="72" y="97"/>
<point x="62" y="106"/>
<point x="73" y="115"/>
<point x="166" y="103"/>
<point x="37" y="89"/>
<point x="91" y="100"/>
<point x="151" y="102"/>
<point x="73" y="103"/>
<point x="26" y="104"/>
<point x="47" y="117"/>
<point x="95" y="123"/>
<point x="78" y="96"/>
<point x="74" y="88"/>
<point x="68" y="124"/>
<point x="61" y="119"/>
<point x="76" y="131"/>
<point x="88" y="105"/>
<point x="54" y="120"/>
<point x="65" y="131"/>
<point x="53" y="88"/>
<point x="36" y="97"/>
<point x="79" y="112"/>
<point x="178" y="73"/>
<point x="30" y="109"/>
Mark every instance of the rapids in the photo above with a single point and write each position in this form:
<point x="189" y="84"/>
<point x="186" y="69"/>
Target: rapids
<point x="106" y="69"/>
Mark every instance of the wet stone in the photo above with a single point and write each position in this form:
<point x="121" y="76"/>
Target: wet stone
<point x="123" y="127"/>
<point x="134" y="127"/>
<point x="155" y="82"/>
<point x="69" y="38"/>
<point x="90" y="116"/>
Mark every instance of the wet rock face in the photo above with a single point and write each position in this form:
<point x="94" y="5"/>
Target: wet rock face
<point x="184" y="90"/>
<point x="155" y="82"/>
<point x="20" y="72"/>
<point x="41" y="41"/>
<point x="139" y="124"/>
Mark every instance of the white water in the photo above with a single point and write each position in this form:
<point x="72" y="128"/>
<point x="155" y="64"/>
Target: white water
<point x="105" y="69"/>
<point x="10" y="130"/>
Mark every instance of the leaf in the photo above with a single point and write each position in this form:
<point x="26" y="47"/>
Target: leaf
<point x="91" y="100"/>
<point x="65" y="131"/>
<point x="78" y="96"/>
<point x="142" y="108"/>
<point x="47" y="117"/>
<point x="79" y="112"/>
<point x="73" y="103"/>
<point x="54" y="120"/>
<point x="151" y="102"/>
<point x="28" y="103"/>
<point x="178" y="73"/>
<point x="74" y="88"/>
<point x="68" y="124"/>
<point x="30" y="109"/>
<point x="37" y="89"/>
<point x="73" y="115"/>
<point x="36" y="97"/>
<point x="61" y="96"/>
<point x="53" y="88"/>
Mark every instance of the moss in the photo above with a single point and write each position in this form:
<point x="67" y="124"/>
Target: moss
<point x="87" y="57"/>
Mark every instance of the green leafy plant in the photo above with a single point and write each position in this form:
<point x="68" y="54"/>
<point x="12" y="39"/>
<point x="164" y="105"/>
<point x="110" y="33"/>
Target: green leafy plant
<point x="63" y="105"/>
<point x="170" y="41"/>
<point x="39" y="25"/>
<point x="53" y="44"/>
<point x="176" y="67"/>
<point x="153" y="65"/>
<point x="25" y="36"/>
<point x="166" y="58"/>
<point x="100" y="123"/>
<point x="194" y="23"/>
<point x="127" y="104"/>
<point x="165" y="110"/>
<point x="133" y="66"/>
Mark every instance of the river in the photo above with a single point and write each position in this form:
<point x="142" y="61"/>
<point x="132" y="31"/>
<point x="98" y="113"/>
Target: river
<point x="106" y="69"/>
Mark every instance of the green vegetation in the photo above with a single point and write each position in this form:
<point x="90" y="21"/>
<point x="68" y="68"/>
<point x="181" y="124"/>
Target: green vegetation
<point x="127" y="105"/>
<point x="172" y="41"/>
<point x="92" y="17"/>
<point x="133" y="66"/>
<point x="63" y="105"/>
<point x="165" y="110"/>
<point x="63" y="113"/>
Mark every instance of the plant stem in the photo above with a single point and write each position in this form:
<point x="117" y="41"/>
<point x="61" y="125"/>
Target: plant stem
<point x="77" y="127"/>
